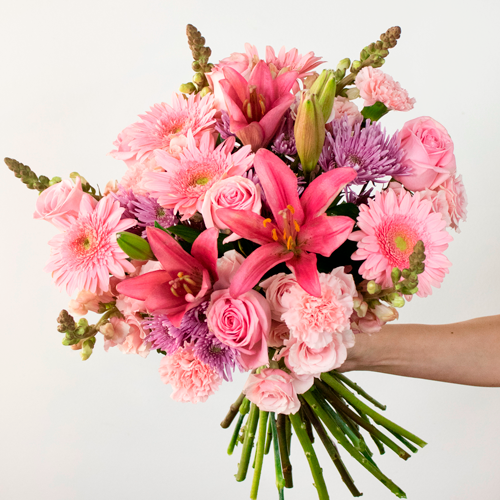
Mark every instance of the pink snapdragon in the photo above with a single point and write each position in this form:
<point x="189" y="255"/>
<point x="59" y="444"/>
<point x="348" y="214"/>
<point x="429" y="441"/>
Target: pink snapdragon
<point x="192" y="380"/>
<point x="376" y="86"/>
<point x="88" y="301"/>
<point x="272" y="390"/>
<point x="186" y="180"/>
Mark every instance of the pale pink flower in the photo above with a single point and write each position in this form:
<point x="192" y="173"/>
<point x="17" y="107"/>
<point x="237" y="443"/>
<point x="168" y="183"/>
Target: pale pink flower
<point x="272" y="390"/>
<point x="110" y="187"/>
<point x="192" y="380"/>
<point x="278" y="334"/>
<point x="242" y="324"/>
<point x="369" y="323"/>
<point x="375" y="85"/>
<point x="133" y="342"/>
<point x="238" y="193"/>
<point x="316" y="320"/>
<point x="60" y="203"/>
<point x="186" y="180"/>
<point x="454" y="190"/>
<point x="390" y="226"/>
<point x="439" y="203"/>
<point x="133" y="178"/>
<point x="428" y="152"/>
<point x="277" y="287"/>
<point x="344" y="107"/>
<point x="227" y="266"/>
<point x="84" y="256"/>
<point x="88" y="301"/>
<point x="165" y="127"/>
<point x="305" y="360"/>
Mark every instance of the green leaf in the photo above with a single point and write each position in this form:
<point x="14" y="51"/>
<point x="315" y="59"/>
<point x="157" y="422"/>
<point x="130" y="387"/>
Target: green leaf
<point x="347" y="209"/>
<point x="135" y="246"/>
<point x="187" y="233"/>
<point x="375" y="112"/>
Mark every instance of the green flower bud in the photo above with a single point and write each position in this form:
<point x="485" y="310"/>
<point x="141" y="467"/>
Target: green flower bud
<point x="309" y="131"/>
<point x="54" y="180"/>
<point x="198" y="79"/>
<point x="74" y="175"/>
<point x="372" y="288"/>
<point x="135" y="246"/>
<point x="187" y="88"/>
<point x="204" y="91"/>
<point x="351" y="93"/>
<point x="396" y="300"/>
<point x="344" y="64"/>
<point x="87" y="348"/>
<point x="324" y="88"/>
<point x="395" y="275"/>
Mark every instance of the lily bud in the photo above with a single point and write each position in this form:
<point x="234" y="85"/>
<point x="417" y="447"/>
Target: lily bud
<point x="372" y="288"/>
<point x="324" y="88"/>
<point x="135" y="246"/>
<point x="309" y="131"/>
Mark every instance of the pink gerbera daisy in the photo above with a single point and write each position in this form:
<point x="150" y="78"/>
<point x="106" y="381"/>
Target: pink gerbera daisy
<point x="292" y="61"/>
<point x="389" y="228"/>
<point x="84" y="255"/>
<point x="186" y="180"/>
<point x="165" y="127"/>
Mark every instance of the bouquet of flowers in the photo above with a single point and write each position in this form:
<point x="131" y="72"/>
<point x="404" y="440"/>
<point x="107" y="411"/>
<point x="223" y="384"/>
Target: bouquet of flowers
<point x="262" y="221"/>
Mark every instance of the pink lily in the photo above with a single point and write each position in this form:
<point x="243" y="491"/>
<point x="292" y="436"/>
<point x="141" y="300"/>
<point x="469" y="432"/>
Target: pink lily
<point x="300" y="228"/>
<point x="185" y="280"/>
<point x="257" y="106"/>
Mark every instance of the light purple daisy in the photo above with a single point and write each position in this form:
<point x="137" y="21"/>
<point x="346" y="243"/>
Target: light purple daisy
<point x="284" y="142"/>
<point x="223" y="125"/>
<point x="368" y="150"/>
<point x="147" y="211"/>
<point x="222" y="358"/>
<point x="162" y="334"/>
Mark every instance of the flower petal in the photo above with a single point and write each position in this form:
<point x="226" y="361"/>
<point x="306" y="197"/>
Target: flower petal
<point x="204" y="250"/>
<point x="261" y="77"/>
<point x="271" y="120"/>
<point x="237" y="82"/>
<point x="141" y="287"/>
<point x="285" y="81"/>
<point x="256" y="265"/>
<point x="247" y="224"/>
<point x="252" y="134"/>
<point x="279" y="184"/>
<point x="306" y="273"/>
<point x="319" y="195"/>
<point x="325" y="234"/>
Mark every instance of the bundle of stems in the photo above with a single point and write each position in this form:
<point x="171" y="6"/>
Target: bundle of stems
<point x="333" y="410"/>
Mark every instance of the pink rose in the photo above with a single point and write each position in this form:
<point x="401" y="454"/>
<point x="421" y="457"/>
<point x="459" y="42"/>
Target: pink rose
<point x="428" y="151"/>
<point x="241" y="323"/>
<point x="277" y="287"/>
<point x="272" y="390"/>
<point x="238" y="193"/>
<point x="278" y="334"/>
<point x="227" y="265"/>
<point x="60" y="203"/>
<point x="344" y="107"/>
<point x="304" y="360"/>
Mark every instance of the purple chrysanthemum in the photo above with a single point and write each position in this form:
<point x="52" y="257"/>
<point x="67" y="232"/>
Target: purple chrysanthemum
<point x="222" y="358"/>
<point x="127" y="198"/>
<point x="368" y="150"/>
<point x="284" y="142"/>
<point x="223" y="125"/>
<point x="147" y="211"/>
<point x="162" y="334"/>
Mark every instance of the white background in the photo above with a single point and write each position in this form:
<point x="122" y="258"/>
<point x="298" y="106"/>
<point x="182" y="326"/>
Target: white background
<point x="73" y="75"/>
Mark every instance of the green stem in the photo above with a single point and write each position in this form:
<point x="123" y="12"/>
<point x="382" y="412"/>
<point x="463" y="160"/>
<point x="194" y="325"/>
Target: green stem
<point x="269" y="438"/>
<point x="404" y="441"/>
<point x="280" y="481"/>
<point x="317" y="473"/>
<point x="377" y="418"/>
<point x="233" y="410"/>
<point x="234" y="437"/>
<point x="253" y="420"/>
<point x="259" y="453"/>
<point x="339" y="436"/>
<point x="332" y="397"/>
<point x="288" y="427"/>
<point x="286" y="466"/>
<point x="359" y="390"/>
<point x="331" y="449"/>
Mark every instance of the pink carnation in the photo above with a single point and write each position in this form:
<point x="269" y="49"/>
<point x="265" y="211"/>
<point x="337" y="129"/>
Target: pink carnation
<point x="242" y="323"/>
<point x="238" y="193"/>
<point x="344" y="107"/>
<point x="84" y="256"/>
<point x="389" y="229"/>
<point x="186" y="180"/>
<point x="60" y="203"/>
<point x="277" y="287"/>
<point x="133" y="178"/>
<point x="192" y="380"/>
<point x="165" y="128"/>
<point x="376" y="86"/>
<point x="455" y="194"/>
<point x="272" y="390"/>
<point x="316" y="320"/>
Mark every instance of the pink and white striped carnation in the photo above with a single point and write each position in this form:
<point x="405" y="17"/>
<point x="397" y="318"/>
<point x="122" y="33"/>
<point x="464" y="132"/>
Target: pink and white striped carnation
<point x="84" y="256"/>
<point x="390" y="226"/>
<point x="186" y="180"/>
